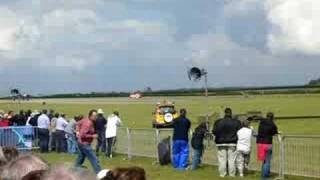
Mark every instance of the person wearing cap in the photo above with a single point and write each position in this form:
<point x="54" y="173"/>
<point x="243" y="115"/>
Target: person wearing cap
<point x="101" y="130"/>
<point x="225" y="131"/>
<point x="113" y="123"/>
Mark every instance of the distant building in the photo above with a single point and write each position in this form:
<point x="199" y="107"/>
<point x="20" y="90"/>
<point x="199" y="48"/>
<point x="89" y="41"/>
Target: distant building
<point x="136" y="95"/>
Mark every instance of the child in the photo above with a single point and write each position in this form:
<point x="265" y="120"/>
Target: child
<point x="244" y="146"/>
<point x="197" y="144"/>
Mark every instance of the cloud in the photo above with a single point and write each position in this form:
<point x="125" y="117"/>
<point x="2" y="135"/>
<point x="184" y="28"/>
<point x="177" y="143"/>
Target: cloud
<point x="295" y="26"/>
<point x="9" y="25"/>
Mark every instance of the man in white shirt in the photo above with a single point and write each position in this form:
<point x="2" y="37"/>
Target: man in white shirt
<point x="113" y="123"/>
<point x="61" y="125"/>
<point x="43" y="131"/>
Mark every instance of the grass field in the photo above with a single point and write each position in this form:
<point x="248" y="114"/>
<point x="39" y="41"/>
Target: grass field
<point x="155" y="172"/>
<point x="138" y="113"/>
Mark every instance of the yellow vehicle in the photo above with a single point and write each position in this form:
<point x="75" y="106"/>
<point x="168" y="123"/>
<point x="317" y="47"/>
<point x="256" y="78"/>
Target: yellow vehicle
<point x="164" y="115"/>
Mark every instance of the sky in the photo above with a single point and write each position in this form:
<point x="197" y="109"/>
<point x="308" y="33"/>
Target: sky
<point x="59" y="46"/>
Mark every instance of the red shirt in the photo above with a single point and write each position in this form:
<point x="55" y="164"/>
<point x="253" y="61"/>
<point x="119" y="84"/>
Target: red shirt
<point x="4" y="123"/>
<point x="85" y="131"/>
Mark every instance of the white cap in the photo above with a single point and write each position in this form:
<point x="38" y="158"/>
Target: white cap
<point x="103" y="173"/>
<point x="100" y="111"/>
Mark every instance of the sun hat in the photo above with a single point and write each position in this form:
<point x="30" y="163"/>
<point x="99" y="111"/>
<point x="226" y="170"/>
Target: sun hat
<point x="100" y="111"/>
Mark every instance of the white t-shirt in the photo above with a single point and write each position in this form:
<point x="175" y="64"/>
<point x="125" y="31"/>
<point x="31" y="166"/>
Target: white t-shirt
<point x="61" y="124"/>
<point x="244" y="140"/>
<point x="43" y="122"/>
<point x="112" y="125"/>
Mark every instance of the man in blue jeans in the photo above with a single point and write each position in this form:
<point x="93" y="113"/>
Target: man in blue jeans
<point x="86" y="134"/>
<point x="181" y="127"/>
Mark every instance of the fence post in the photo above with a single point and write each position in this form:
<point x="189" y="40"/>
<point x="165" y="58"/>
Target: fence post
<point x="157" y="140"/>
<point x="129" y="143"/>
<point x="282" y="156"/>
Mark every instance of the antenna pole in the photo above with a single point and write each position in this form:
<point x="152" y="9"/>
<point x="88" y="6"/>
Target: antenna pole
<point x="207" y="99"/>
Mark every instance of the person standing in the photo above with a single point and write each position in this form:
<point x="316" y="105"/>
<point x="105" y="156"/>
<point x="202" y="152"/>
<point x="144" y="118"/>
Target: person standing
<point x="101" y="130"/>
<point x="267" y="129"/>
<point x="43" y="131"/>
<point x="86" y="134"/>
<point x="181" y="127"/>
<point x="197" y="144"/>
<point x="53" y="130"/>
<point x="225" y="131"/>
<point x="60" y="134"/>
<point x="71" y="135"/>
<point x="245" y="135"/>
<point x="113" y="123"/>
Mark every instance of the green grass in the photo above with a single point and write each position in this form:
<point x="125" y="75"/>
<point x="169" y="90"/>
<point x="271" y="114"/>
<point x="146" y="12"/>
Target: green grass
<point x="154" y="172"/>
<point x="138" y="113"/>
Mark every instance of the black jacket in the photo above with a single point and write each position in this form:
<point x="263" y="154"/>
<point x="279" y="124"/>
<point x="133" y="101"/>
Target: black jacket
<point x="267" y="129"/>
<point x="100" y="124"/>
<point x="225" y="130"/>
<point x="197" y="138"/>
<point x="181" y="128"/>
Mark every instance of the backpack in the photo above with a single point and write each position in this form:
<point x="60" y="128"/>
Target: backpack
<point x="164" y="152"/>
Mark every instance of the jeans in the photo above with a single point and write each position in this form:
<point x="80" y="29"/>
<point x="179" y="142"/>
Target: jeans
<point x="110" y="145"/>
<point x="266" y="166"/>
<point x="85" y="150"/>
<point x="54" y="142"/>
<point x="44" y="140"/>
<point x="62" y="143"/>
<point x="72" y="143"/>
<point x="227" y="159"/>
<point x="180" y="154"/>
<point x="101" y="144"/>
<point x="196" y="160"/>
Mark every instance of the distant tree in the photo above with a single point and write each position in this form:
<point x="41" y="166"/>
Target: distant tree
<point x="148" y="89"/>
<point x="314" y="82"/>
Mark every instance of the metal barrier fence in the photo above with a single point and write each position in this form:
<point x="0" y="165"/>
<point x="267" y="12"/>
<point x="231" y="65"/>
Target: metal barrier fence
<point x="292" y="155"/>
<point x="23" y="138"/>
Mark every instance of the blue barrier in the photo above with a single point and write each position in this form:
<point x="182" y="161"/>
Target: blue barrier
<point x="22" y="137"/>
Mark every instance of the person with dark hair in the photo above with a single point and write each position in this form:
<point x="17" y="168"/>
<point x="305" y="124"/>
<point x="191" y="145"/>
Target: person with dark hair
<point x="60" y="133"/>
<point x="131" y="173"/>
<point x="86" y="134"/>
<point x="267" y="129"/>
<point x="43" y="131"/>
<point x="181" y="127"/>
<point x="20" y="119"/>
<point x="197" y="144"/>
<point x="113" y="123"/>
<point x="51" y="114"/>
<point x="225" y="131"/>
<point x="100" y="127"/>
